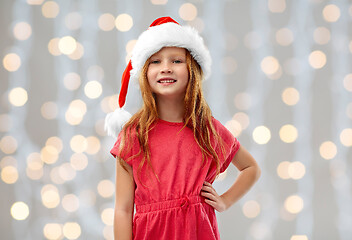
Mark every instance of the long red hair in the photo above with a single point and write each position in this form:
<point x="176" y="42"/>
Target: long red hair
<point x="197" y="116"/>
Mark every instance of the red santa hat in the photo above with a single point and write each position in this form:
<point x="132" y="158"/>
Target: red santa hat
<point x="163" y="32"/>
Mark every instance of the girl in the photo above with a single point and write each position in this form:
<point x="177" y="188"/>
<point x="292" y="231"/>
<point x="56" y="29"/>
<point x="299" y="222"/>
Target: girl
<point x="170" y="152"/>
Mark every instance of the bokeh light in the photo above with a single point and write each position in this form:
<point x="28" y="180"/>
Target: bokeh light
<point x="107" y="216"/>
<point x="52" y="231"/>
<point x="282" y="170"/>
<point x="9" y="174"/>
<point x="22" y="31"/>
<point x="34" y="168"/>
<point x="299" y="237"/>
<point x="78" y="143"/>
<point x="290" y="96"/>
<point x="53" y="47"/>
<point x="277" y="6"/>
<point x="328" y="150"/>
<point x="67" y="45"/>
<point x="55" y="142"/>
<point x="8" y="161"/>
<point x="50" y="9"/>
<point x="70" y="203"/>
<point x="8" y="144"/>
<point x="317" y="59"/>
<point x="66" y="172"/>
<point x="251" y="209"/>
<point x="11" y="62"/>
<point x="284" y="36"/>
<point x="130" y="45"/>
<point x="93" y="145"/>
<point x="321" y="35"/>
<point x="79" y="161"/>
<point x="93" y="89"/>
<point x="331" y="13"/>
<point x="294" y="204"/>
<point x="55" y="176"/>
<point x="49" y="110"/>
<point x="347" y="82"/>
<point x="346" y="137"/>
<point x="234" y="127"/>
<point x="72" y="81"/>
<point x="108" y="232"/>
<point x="72" y="230"/>
<point x="106" y="22"/>
<point x="296" y="170"/>
<point x="18" y="97"/>
<point x="242" y="118"/>
<point x="50" y="196"/>
<point x="35" y="2"/>
<point x="75" y="112"/>
<point x="288" y="133"/>
<point x="77" y="53"/>
<point x="270" y="65"/>
<point x="188" y="12"/>
<point x="124" y="22"/>
<point x="106" y="188"/>
<point x="19" y="211"/>
<point x="261" y="135"/>
<point x="158" y="2"/>
<point x="49" y="154"/>
<point x="349" y="110"/>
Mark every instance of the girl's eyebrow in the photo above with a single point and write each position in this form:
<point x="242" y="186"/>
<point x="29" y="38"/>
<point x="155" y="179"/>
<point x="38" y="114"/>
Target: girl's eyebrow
<point x="170" y="56"/>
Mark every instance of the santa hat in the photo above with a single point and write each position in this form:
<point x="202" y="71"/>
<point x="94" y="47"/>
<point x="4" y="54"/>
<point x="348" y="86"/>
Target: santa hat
<point x="163" y="32"/>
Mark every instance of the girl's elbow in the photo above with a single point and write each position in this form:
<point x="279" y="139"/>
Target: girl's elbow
<point x="258" y="172"/>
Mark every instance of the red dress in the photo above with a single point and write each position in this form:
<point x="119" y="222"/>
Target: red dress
<point x="173" y="208"/>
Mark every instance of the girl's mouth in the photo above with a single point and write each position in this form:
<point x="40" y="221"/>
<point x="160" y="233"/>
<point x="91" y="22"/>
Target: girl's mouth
<point x="167" y="81"/>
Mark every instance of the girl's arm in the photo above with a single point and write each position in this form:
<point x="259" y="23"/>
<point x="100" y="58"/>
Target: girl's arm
<point x="249" y="174"/>
<point x="124" y="202"/>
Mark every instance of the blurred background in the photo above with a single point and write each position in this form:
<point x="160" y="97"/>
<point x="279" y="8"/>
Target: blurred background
<point x="281" y="83"/>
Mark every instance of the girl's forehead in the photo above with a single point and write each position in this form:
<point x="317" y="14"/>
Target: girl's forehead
<point x="170" y="51"/>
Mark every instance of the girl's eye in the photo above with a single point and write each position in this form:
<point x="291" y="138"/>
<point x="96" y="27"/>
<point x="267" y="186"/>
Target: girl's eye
<point x="177" y="61"/>
<point x="155" y="61"/>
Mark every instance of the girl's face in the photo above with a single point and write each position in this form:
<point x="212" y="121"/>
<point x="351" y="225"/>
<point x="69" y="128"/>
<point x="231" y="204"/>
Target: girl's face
<point x="167" y="72"/>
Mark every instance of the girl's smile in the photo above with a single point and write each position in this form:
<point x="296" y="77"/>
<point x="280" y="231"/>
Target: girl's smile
<point x="168" y="73"/>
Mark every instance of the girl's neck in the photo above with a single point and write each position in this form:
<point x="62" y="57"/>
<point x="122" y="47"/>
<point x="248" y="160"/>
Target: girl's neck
<point x="170" y="110"/>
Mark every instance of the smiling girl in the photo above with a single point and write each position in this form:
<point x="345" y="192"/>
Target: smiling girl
<point x="170" y="152"/>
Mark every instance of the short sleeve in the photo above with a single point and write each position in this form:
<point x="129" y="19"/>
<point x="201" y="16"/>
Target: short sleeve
<point x="121" y="153"/>
<point x="231" y="154"/>
<point x="231" y="145"/>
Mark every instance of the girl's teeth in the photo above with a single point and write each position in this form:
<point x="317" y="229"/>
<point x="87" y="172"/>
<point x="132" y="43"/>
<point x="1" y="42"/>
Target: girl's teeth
<point x="167" y="81"/>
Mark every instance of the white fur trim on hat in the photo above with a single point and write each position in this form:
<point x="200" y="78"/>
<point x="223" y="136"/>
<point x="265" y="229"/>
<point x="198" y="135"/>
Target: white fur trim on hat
<point x="169" y="35"/>
<point x="115" y="121"/>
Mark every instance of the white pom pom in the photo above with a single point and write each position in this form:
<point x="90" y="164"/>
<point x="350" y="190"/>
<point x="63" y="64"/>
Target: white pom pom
<point x="114" y="121"/>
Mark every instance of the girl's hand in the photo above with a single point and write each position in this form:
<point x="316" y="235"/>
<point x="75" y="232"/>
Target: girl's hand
<point x="212" y="198"/>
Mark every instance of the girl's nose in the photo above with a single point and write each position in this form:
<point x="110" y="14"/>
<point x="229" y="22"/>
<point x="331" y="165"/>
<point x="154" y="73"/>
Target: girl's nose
<point x="166" y="68"/>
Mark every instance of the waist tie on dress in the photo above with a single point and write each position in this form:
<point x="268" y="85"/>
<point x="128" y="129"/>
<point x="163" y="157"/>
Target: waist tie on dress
<point x="183" y="203"/>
